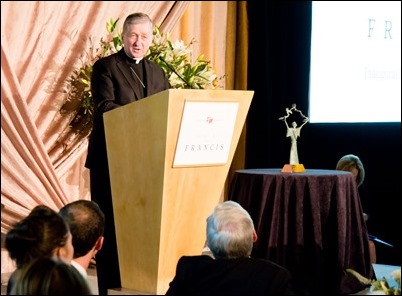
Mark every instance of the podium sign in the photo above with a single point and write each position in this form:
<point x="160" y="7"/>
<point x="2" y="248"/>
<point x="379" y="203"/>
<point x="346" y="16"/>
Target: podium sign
<point x="206" y="133"/>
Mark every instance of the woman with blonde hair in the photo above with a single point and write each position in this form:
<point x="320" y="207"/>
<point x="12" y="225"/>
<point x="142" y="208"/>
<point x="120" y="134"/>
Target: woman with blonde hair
<point x="352" y="163"/>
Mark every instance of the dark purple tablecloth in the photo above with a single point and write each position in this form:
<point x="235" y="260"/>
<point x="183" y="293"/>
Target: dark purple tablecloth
<point x="311" y="223"/>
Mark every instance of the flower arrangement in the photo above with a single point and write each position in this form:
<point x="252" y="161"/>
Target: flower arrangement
<point x="381" y="286"/>
<point x="384" y="285"/>
<point x="173" y="57"/>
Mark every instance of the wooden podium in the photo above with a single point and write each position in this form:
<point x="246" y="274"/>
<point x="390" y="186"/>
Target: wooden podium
<point x="160" y="209"/>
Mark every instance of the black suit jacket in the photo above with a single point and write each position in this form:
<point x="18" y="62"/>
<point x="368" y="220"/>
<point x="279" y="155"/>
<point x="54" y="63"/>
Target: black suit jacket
<point x="203" y="275"/>
<point x="113" y="85"/>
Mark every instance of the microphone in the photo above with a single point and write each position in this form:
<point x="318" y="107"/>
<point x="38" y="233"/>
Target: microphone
<point x="174" y="71"/>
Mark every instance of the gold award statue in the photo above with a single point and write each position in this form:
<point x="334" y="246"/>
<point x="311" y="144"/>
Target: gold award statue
<point x="293" y="132"/>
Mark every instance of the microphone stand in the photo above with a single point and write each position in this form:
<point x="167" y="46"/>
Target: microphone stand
<point x="178" y="75"/>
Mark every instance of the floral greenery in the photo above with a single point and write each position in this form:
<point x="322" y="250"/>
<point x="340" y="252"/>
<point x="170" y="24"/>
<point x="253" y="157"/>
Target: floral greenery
<point x="383" y="286"/>
<point x="79" y="102"/>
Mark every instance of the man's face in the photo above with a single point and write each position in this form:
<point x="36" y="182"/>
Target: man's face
<point x="137" y="39"/>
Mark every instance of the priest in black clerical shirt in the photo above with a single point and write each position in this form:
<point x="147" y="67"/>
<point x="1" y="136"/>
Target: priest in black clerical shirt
<point x="116" y="81"/>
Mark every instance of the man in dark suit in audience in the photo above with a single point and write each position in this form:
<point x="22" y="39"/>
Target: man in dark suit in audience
<point x="230" y="270"/>
<point x="87" y="224"/>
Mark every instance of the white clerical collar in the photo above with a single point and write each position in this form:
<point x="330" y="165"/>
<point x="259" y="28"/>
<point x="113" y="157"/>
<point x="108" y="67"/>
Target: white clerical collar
<point x="137" y="60"/>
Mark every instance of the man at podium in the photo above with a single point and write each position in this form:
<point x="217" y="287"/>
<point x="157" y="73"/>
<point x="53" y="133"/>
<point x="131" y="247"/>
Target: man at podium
<point x="117" y="80"/>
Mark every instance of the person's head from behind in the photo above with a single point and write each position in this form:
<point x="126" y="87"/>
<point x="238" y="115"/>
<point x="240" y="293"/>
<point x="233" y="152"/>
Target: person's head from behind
<point x="230" y="231"/>
<point x="47" y="276"/>
<point x="43" y="233"/>
<point x="87" y="224"/>
<point x="352" y="163"/>
<point x="137" y="34"/>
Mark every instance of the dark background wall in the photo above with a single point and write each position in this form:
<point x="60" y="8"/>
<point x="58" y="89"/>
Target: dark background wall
<point x="279" y="61"/>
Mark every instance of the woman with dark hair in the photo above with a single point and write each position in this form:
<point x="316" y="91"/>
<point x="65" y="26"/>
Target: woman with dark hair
<point x="43" y="233"/>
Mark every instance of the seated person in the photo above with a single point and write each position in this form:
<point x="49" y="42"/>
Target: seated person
<point x="43" y="233"/>
<point x="230" y="271"/>
<point x="87" y="223"/>
<point x="352" y="163"/>
<point x="48" y="276"/>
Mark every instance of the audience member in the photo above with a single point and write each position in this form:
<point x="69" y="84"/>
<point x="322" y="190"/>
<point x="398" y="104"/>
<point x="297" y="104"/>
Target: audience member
<point x="87" y="223"/>
<point x="352" y="163"/>
<point x="43" y="233"/>
<point x="47" y="276"/>
<point x="231" y="270"/>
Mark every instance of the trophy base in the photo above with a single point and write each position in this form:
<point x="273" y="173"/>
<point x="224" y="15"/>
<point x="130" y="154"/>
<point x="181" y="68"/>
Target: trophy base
<point x="293" y="168"/>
